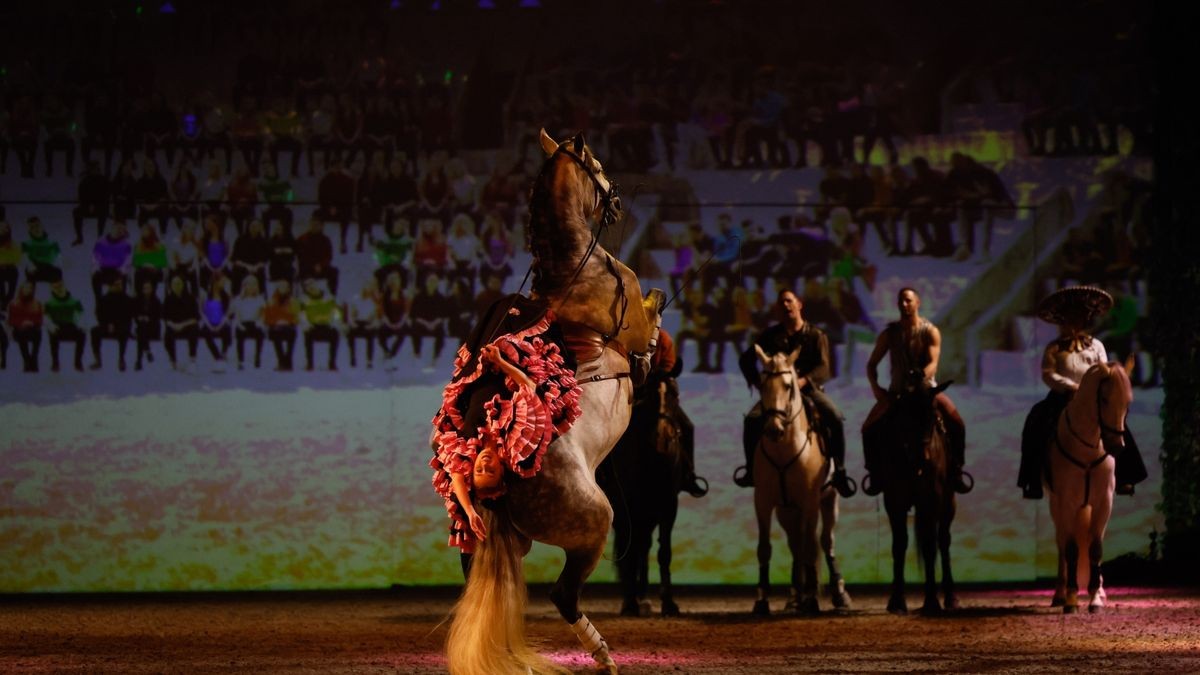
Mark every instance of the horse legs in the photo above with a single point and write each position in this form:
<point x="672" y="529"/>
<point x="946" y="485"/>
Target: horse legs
<point x="643" y="536"/>
<point x="829" y="516"/>
<point x="898" y="517"/>
<point x="665" y="526"/>
<point x="626" y="559"/>
<point x="808" y="556"/>
<point x="949" y="597"/>
<point x="763" y="513"/>
<point x="1071" y="599"/>
<point x="927" y="542"/>
<point x="1095" y="555"/>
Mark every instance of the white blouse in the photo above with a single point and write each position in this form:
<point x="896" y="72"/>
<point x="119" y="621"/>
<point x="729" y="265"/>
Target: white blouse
<point x="1062" y="369"/>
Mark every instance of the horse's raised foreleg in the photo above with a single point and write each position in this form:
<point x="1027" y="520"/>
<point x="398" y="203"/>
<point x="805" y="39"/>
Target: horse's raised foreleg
<point x="762" y="511"/>
<point x="898" y="518"/>
<point x="665" y="526"/>
<point x="829" y="516"/>
<point x="565" y="595"/>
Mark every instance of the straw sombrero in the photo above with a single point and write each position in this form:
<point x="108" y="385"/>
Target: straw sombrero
<point x="1087" y="302"/>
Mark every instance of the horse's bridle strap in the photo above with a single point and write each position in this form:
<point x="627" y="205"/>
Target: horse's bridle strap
<point x="602" y="377"/>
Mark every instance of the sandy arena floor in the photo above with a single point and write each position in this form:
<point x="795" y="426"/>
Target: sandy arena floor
<point x="997" y="630"/>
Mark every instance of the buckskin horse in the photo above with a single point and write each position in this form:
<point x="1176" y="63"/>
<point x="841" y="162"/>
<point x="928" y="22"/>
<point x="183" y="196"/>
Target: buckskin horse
<point x="611" y="329"/>
<point x="790" y="482"/>
<point x="1082" y="480"/>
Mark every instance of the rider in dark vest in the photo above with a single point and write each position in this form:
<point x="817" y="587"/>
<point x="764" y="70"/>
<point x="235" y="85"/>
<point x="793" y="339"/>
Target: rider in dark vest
<point x="812" y="371"/>
<point x="1064" y="363"/>
<point x="914" y="344"/>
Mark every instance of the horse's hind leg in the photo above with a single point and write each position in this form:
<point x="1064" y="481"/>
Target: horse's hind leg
<point x="1071" y="599"/>
<point x="665" y="526"/>
<point x="950" y="598"/>
<point x="762" y="606"/>
<point x="627" y="566"/>
<point x="927" y="541"/>
<point x="829" y="516"/>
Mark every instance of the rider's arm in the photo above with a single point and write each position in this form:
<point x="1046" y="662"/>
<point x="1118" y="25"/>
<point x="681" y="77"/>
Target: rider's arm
<point x="748" y="362"/>
<point x="935" y="353"/>
<point x="816" y="367"/>
<point x="877" y="354"/>
<point x="1050" y="374"/>
<point x="495" y="356"/>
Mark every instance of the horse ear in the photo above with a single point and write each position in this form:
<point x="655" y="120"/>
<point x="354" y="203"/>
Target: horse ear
<point x="549" y="145"/>
<point x="1130" y="363"/>
<point x="579" y="143"/>
<point x="793" y="356"/>
<point x="762" y="356"/>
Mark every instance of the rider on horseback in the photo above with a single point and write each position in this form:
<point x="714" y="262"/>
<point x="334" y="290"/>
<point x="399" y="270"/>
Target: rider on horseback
<point x="812" y="369"/>
<point x="1064" y="363"/>
<point x="915" y="345"/>
<point x="665" y="365"/>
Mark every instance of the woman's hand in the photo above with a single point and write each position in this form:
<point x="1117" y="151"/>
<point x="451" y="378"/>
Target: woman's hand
<point x="491" y="354"/>
<point x="477" y="525"/>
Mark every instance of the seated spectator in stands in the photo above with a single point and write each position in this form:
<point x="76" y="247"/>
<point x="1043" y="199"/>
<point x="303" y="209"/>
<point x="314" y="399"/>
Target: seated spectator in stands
<point x="247" y="133"/>
<point x="247" y="310"/>
<point x="380" y="122"/>
<point x="393" y="317"/>
<point x="314" y="255"/>
<point x="277" y="194"/>
<point x="147" y="322"/>
<point x="321" y="317"/>
<point x="215" y="133"/>
<point x="860" y="189"/>
<point x="362" y="320"/>
<point x="497" y="248"/>
<point x="399" y="191"/>
<point x="114" y="317"/>
<point x="282" y="263"/>
<point x="881" y="210"/>
<point x="762" y="127"/>
<point x="93" y="201"/>
<point x="25" y="318"/>
<point x="153" y="196"/>
<point x="347" y="128"/>
<point x="979" y="195"/>
<point x="100" y="129"/>
<point x="500" y="194"/>
<point x="461" y="303"/>
<point x="242" y="197"/>
<point x="687" y="259"/>
<point x="281" y="316"/>
<point x="112" y="255"/>
<point x="757" y="259"/>
<point x="214" y="251"/>
<point x="149" y="258"/>
<point x="212" y="190"/>
<point x="160" y="128"/>
<point x="835" y="191"/>
<point x="430" y="251"/>
<point x="124" y="191"/>
<point x="189" y="133"/>
<point x="434" y="189"/>
<point x="24" y="129"/>
<point x="283" y="132"/>
<point x="464" y="195"/>
<point x="216" y="319"/>
<point x="929" y="211"/>
<point x="335" y="199"/>
<point x="463" y="247"/>
<point x="321" y="132"/>
<point x="727" y="249"/>
<point x="429" y="317"/>
<point x="185" y="193"/>
<point x="184" y="254"/>
<point x="181" y="316"/>
<point x="371" y="196"/>
<point x="695" y="325"/>
<point x="64" y="311"/>
<point x="10" y="259"/>
<point x="251" y="255"/>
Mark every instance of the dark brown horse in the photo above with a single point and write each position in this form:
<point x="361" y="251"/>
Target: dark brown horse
<point x="608" y="325"/>
<point x="916" y="468"/>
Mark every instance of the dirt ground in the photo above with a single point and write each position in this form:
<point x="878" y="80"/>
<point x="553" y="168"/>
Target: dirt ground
<point x="998" y="629"/>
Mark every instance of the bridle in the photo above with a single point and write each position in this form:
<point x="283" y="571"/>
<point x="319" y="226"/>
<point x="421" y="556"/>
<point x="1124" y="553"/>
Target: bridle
<point x="787" y="416"/>
<point x="607" y="200"/>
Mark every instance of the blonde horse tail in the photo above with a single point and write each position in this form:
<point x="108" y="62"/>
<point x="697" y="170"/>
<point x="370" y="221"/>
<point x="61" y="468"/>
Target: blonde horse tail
<point x="487" y="634"/>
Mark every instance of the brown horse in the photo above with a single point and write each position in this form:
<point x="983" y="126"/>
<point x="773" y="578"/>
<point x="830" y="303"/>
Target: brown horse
<point x="608" y="325"/>
<point x="916" y="470"/>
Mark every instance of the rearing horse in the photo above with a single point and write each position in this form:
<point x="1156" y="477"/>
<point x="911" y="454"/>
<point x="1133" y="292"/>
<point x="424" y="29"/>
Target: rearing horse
<point x="607" y="324"/>
<point x="789" y="481"/>
<point x="1082" y="479"/>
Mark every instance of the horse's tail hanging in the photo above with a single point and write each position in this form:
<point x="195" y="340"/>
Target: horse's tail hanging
<point x="488" y="631"/>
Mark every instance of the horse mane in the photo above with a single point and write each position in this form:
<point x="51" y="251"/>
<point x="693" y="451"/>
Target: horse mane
<point x="557" y="231"/>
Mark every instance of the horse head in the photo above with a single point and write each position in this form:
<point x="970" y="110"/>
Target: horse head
<point x="780" y="396"/>
<point x="571" y="167"/>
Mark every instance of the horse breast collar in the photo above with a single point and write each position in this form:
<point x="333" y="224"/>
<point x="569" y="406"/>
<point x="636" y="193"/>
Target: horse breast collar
<point x="788" y="418"/>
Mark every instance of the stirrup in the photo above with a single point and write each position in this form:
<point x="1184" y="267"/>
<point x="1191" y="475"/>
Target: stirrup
<point x="843" y="483"/>
<point x="965" y="483"/>
<point x="694" y="488"/>
<point x="742" y="477"/>
<point x="869" y="487"/>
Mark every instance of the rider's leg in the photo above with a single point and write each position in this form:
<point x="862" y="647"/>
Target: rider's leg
<point x="1033" y="451"/>
<point x="1130" y="468"/>
<point x="687" y="438"/>
<point x="835" y="438"/>
<point x="752" y="428"/>
<point x="872" y="449"/>
<point x="956" y="429"/>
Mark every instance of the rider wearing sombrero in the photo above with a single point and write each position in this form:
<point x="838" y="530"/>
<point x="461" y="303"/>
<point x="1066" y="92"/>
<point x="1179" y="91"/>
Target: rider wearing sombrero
<point x="1064" y="362"/>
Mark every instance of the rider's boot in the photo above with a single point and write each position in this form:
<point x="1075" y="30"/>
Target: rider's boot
<point x="961" y="481"/>
<point x="743" y="476"/>
<point x="691" y="483"/>
<point x="872" y="483"/>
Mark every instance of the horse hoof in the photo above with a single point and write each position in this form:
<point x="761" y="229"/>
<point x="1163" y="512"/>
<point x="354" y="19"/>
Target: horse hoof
<point x="952" y="602"/>
<point x="761" y="608"/>
<point x="897" y="606"/>
<point x="1069" y="609"/>
<point x="931" y="608"/>
<point x="1057" y="601"/>
<point x="644" y="608"/>
<point x="841" y="600"/>
<point x="669" y="608"/>
<point x="1095" y="608"/>
<point x="630" y="608"/>
<point x="808" y="607"/>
